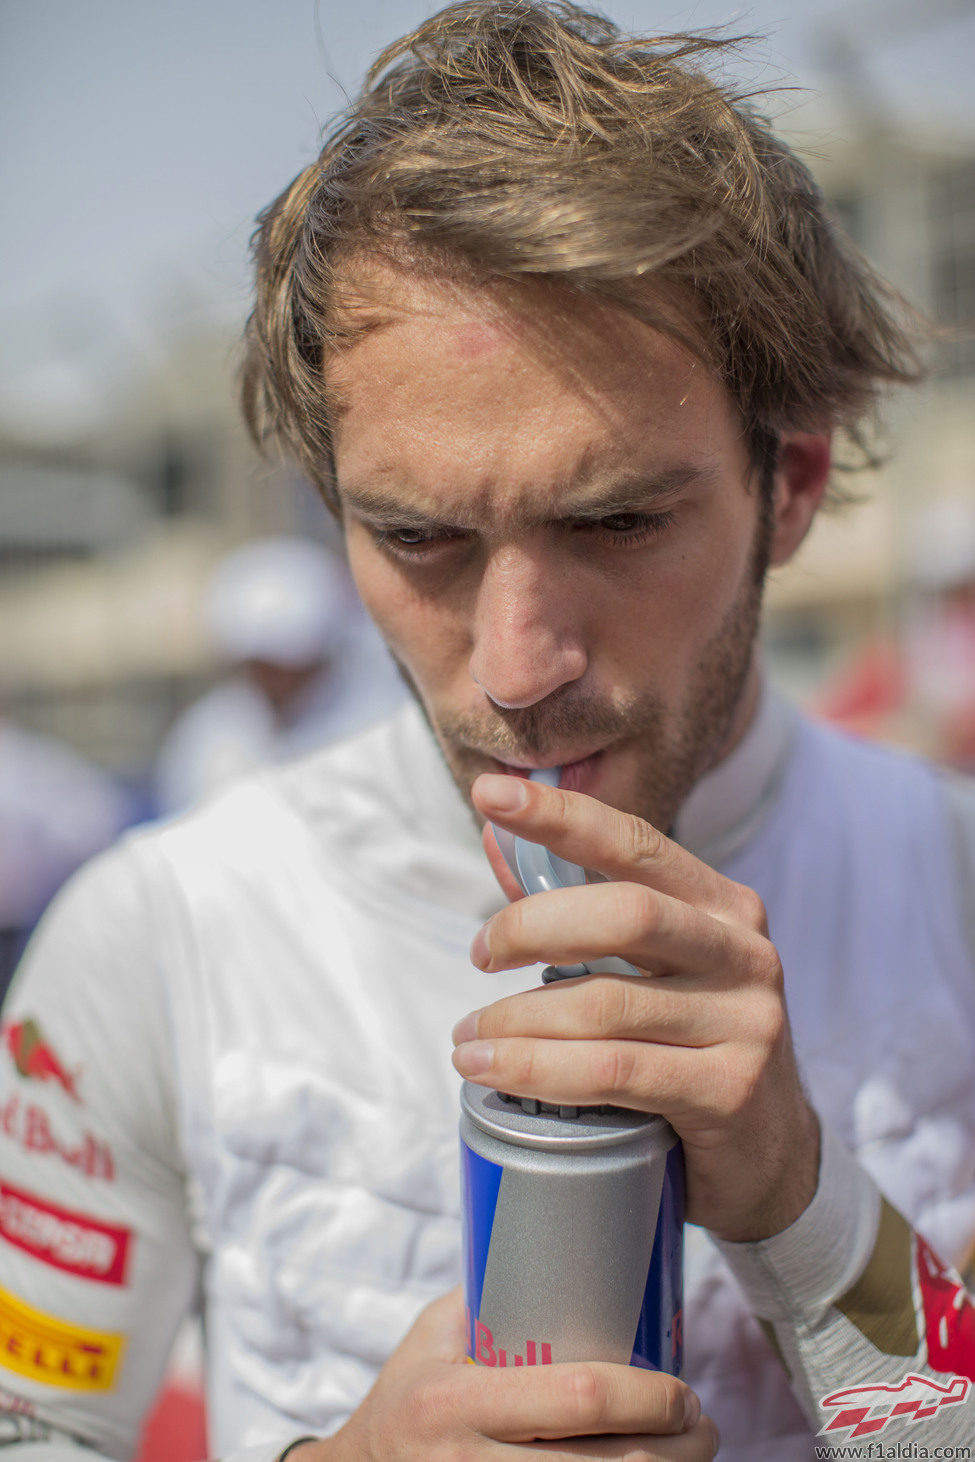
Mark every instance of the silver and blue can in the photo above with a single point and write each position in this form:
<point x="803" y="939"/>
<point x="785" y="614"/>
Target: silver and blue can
<point x="572" y="1234"/>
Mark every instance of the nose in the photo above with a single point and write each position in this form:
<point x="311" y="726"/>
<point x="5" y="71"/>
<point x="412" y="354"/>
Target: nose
<point x="528" y="640"/>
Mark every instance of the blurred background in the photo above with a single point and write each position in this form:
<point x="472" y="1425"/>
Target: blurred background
<point x="140" y="142"/>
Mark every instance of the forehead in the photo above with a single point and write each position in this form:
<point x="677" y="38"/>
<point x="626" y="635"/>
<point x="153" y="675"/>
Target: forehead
<point x="469" y="397"/>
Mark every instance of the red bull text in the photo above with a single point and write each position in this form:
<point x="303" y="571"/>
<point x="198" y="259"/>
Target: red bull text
<point x="572" y="1235"/>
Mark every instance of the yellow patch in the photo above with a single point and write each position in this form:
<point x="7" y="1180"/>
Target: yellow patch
<point x="46" y="1349"/>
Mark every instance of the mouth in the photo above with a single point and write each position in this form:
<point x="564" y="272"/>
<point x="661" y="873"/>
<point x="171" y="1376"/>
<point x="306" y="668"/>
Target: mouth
<point x="578" y="773"/>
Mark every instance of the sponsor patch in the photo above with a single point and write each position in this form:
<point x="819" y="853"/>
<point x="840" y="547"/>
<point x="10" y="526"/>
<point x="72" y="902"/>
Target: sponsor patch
<point x="35" y="1058"/>
<point x="70" y="1241"/>
<point x="54" y="1352"/>
<point x="30" y="1127"/>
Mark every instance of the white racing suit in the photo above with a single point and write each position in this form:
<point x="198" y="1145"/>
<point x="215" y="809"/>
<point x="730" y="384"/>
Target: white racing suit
<point x="226" y="1069"/>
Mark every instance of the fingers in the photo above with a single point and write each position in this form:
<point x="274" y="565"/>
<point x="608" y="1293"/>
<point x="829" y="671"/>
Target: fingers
<point x="618" y="845"/>
<point x="652" y="930"/>
<point x="606" y="1007"/>
<point x="579" y="1400"/>
<point x="700" y="1444"/>
<point x="509" y="884"/>
<point x="660" y="1079"/>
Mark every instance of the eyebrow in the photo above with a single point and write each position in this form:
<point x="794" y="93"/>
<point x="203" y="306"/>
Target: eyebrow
<point x="631" y="494"/>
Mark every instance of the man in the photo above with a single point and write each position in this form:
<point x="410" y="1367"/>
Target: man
<point x="563" y="335"/>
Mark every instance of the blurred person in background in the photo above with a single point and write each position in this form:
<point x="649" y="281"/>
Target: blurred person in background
<point x="940" y="631"/>
<point x="56" y="811"/>
<point x="914" y="683"/>
<point x="305" y="665"/>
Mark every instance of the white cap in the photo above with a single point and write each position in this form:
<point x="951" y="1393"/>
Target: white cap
<point x="285" y="600"/>
<point x="943" y="555"/>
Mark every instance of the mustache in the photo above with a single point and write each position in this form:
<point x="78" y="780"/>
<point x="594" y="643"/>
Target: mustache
<point x="532" y="730"/>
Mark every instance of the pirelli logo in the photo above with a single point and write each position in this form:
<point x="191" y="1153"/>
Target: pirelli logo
<point x="48" y="1349"/>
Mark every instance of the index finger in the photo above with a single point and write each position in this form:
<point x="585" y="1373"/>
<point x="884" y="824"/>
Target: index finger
<point x="616" y="844"/>
<point x="579" y="1399"/>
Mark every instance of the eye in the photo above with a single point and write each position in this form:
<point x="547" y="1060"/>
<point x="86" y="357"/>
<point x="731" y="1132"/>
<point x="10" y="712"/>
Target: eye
<point x="625" y="522"/>
<point x="409" y="537"/>
<point x="628" y="529"/>
<point x="411" y="544"/>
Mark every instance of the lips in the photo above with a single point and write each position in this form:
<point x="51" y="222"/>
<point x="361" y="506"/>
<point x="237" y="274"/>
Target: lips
<point x="578" y="774"/>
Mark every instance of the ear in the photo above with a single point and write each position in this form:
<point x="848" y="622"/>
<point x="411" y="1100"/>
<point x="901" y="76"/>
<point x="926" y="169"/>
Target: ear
<point x="801" y="477"/>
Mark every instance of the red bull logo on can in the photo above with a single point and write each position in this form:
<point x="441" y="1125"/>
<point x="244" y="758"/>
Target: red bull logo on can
<point x="35" y="1059"/>
<point x="483" y="1351"/>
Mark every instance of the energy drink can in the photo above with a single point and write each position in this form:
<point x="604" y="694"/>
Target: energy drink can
<point x="572" y="1234"/>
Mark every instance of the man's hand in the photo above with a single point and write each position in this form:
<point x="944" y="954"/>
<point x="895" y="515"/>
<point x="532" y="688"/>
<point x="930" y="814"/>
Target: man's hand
<point x="428" y="1405"/>
<point x="702" y="1037"/>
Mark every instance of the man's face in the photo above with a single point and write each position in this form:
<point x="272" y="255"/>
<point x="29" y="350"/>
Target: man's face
<point x="552" y="517"/>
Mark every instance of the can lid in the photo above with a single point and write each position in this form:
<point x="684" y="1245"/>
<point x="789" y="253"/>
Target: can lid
<point x="593" y="1127"/>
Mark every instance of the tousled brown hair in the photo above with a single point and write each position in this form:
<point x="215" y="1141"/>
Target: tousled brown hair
<point x="521" y="140"/>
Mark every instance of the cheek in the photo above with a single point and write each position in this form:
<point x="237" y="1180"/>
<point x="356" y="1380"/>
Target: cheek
<point x="656" y="624"/>
<point x="424" y="636"/>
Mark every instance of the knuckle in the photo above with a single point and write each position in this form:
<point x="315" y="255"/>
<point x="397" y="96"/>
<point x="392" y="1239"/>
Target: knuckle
<point x="641" y="843"/>
<point x="744" y="1077"/>
<point x="508" y="930"/>
<point x="604" y="1004"/>
<point x="587" y="1397"/>
<point x="522" y="1065"/>
<point x="563" y="813"/>
<point x="637" y="908"/>
<point x="760" y="1022"/>
<point x="671" y="1402"/>
<point x="613" y="1067"/>
<point x="431" y="1402"/>
<point x="770" y="966"/>
<point x="750" y="908"/>
<point x="732" y="1080"/>
<point x="770" y="1024"/>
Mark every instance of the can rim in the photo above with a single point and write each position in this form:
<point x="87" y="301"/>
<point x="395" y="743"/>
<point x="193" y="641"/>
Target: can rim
<point x="485" y="1110"/>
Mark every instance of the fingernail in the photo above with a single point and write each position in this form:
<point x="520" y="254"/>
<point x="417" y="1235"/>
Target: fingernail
<point x="481" y="948"/>
<point x="466" y="1029"/>
<point x="474" y="1058"/>
<point x="503" y="794"/>
<point x="692" y="1410"/>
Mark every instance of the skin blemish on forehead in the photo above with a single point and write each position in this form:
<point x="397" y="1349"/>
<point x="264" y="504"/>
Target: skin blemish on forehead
<point x="474" y="340"/>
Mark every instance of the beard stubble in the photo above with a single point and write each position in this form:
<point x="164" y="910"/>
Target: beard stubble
<point x="673" y="751"/>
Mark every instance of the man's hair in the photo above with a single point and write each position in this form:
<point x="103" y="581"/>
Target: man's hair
<point x="515" y="140"/>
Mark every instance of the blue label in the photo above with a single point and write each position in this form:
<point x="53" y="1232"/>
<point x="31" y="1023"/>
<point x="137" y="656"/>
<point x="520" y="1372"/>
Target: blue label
<point x="481" y="1181"/>
<point x="659" y="1340"/>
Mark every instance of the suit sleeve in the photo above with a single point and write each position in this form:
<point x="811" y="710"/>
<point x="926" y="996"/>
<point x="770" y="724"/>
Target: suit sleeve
<point x="876" y="1331"/>
<point x="97" y="1263"/>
